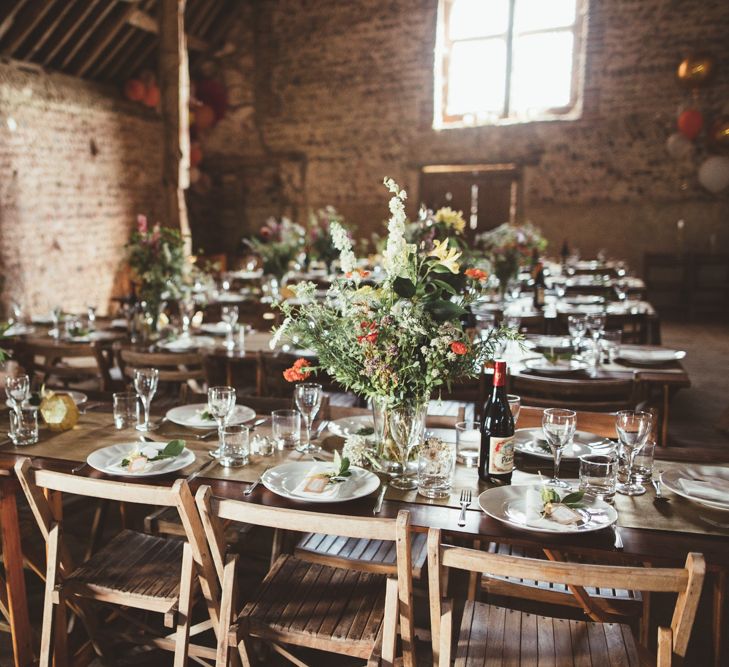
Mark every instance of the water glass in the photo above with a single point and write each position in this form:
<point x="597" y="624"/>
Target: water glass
<point x="595" y="325"/>
<point x="633" y="429"/>
<point x="514" y="406"/>
<point x="308" y="397"/>
<point x="221" y="402"/>
<point x="577" y="326"/>
<point x="126" y="409"/>
<point x="91" y="318"/>
<point x="286" y="427"/>
<point x="229" y="315"/>
<point x="643" y="463"/>
<point x="610" y="341"/>
<point x="559" y="429"/>
<point x="436" y="462"/>
<point x="598" y="475"/>
<point x="24" y="426"/>
<point x="468" y="442"/>
<point x="145" y="384"/>
<point x="234" y="446"/>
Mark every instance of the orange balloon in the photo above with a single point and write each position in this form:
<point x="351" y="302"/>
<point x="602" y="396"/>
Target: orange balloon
<point x="204" y="117"/>
<point x="134" y="90"/>
<point x="196" y="155"/>
<point x="152" y="96"/>
<point x="690" y="123"/>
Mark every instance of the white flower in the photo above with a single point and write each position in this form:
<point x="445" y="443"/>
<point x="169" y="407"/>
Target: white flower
<point x="395" y="258"/>
<point x="342" y="242"/>
<point x="451" y="356"/>
<point x="276" y="338"/>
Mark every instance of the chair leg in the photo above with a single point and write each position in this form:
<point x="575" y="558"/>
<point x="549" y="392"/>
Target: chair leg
<point x="227" y="607"/>
<point x="48" y="604"/>
<point x="182" y="640"/>
<point x="389" y="623"/>
<point x="97" y="527"/>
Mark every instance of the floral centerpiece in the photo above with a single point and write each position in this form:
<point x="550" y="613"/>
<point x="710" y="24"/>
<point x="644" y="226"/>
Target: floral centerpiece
<point x="319" y="243"/>
<point x="445" y="223"/>
<point x="277" y="244"/>
<point x="157" y="259"/>
<point x="401" y="342"/>
<point x="508" y="247"/>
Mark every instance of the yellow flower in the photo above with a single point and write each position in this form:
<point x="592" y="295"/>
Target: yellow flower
<point x="451" y="218"/>
<point x="447" y="257"/>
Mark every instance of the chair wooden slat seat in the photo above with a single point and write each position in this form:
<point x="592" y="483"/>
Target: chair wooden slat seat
<point x="297" y="598"/>
<point x="365" y="555"/>
<point x="139" y="567"/>
<point x="491" y="635"/>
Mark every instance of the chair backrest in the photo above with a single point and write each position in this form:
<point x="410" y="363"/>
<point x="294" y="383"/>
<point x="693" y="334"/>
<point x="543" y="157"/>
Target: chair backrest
<point x="589" y="394"/>
<point x="599" y="423"/>
<point x="50" y="359"/>
<point x="180" y="370"/>
<point x="34" y="482"/>
<point x="271" y="367"/>
<point x="686" y="582"/>
<point x="431" y="420"/>
<point x="260" y="316"/>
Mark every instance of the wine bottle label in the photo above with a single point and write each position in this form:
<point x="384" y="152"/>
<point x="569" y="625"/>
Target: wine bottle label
<point x="501" y="455"/>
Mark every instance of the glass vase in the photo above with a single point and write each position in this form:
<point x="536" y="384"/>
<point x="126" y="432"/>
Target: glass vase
<point x="407" y="427"/>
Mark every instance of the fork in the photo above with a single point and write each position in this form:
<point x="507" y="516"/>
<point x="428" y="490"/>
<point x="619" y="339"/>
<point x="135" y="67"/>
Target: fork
<point x="659" y="495"/>
<point x="466" y="498"/>
<point x="618" y="538"/>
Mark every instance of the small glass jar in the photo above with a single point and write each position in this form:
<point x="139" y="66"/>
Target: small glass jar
<point x="234" y="446"/>
<point x="24" y="426"/>
<point x="436" y="461"/>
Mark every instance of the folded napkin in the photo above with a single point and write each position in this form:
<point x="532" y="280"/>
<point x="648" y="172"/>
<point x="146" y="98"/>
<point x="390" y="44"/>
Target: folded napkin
<point x="310" y="485"/>
<point x="533" y="505"/>
<point x="711" y="488"/>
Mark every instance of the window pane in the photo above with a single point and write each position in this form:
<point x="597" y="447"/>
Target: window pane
<point x="476" y="77"/>
<point x="478" y="18"/>
<point x="541" y="14"/>
<point x="542" y="72"/>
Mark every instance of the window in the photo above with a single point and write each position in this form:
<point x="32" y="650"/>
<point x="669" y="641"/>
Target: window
<point x="506" y="61"/>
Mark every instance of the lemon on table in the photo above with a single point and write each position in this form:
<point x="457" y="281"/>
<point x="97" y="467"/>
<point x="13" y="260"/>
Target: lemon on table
<point x="59" y="412"/>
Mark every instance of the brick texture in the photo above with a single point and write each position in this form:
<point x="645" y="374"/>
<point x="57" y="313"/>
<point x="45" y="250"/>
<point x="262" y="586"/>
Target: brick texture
<point x="349" y="86"/>
<point x="76" y="168"/>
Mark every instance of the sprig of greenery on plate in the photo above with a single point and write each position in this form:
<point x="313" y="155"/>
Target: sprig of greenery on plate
<point x="171" y="450"/>
<point x="341" y="469"/>
<point x="551" y="497"/>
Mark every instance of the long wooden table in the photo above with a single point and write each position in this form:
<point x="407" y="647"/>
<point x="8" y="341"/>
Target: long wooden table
<point x="640" y="544"/>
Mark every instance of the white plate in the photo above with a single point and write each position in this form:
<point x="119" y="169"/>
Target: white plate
<point x="119" y="323"/>
<point x="348" y="425"/>
<point x="507" y="504"/>
<point x="229" y="297"/>
<point x="283" y="480"/>
<point x="189" y="415"/>
<point x="583" y="299"/>
<point x="670" y="478"/>
<point x="215" y="328"/>
<point x="189" y="343"/>
<point x="560" y="367"/>
<point x="638" y="354"/>
<point x="551" y="342"/>
<point x="528" y="441"/>
<point x="108" y="460"/>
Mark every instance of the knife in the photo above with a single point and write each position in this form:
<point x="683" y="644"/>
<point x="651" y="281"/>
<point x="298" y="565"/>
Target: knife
<point x="380" y="497"/>
<point x="253" y="486"/>
<point x="201" y="470"/>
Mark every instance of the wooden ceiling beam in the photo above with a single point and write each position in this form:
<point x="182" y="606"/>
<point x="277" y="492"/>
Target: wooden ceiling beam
<point x="41" y="42"/>
<point x="83" y="9"/>
<point x="10" y="18"/>
<point x="143" y="21"/>
<point x="103" y="42"/>
<point x="143" y="47"/>
<point x="84" y="37"/>
<point x="34" y="18"/>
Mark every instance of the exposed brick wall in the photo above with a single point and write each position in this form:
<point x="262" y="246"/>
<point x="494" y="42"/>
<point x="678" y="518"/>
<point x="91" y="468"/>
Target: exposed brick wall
<point x="349" y="85"/>
<point x="74" y="173"/>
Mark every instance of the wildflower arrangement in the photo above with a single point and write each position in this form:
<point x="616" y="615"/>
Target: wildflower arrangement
<point x="445" y="223"/>
<point x="157" y="259"/>
<point x="277" y="244"/>
<point x="403" y="340"/>
<point x="508" y="247"/>
<point x="298" y="372"/>
<point x="319" y="243"/>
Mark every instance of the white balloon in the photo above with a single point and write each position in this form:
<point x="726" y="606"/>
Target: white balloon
<point x="714" y="173"/>
<point x="679" y="147"/>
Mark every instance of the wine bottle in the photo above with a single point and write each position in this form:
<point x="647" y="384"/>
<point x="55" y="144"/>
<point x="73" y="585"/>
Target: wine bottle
<point x="496" y="460"/>
<point x="540" y="286"/>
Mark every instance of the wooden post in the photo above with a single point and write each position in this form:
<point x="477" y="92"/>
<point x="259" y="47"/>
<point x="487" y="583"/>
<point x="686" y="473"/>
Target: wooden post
<point x="174" y="81"/>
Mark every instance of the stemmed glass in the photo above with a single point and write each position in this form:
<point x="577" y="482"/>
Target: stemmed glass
<point x="145" y="384"/>
<point x="221" y="403"/>
<point x="56" y="314"/>
<point x="229" y="315"/>
<point x="308" y="400"/>
<point x="559" y="429"/>
<point x="17" y="389"/>
<point x="187" y="312"/>
<point x="595" y="325"/>
<point x="633" y="429"/>
<point x="407" y="426"/>
<point x="577" y="326"/>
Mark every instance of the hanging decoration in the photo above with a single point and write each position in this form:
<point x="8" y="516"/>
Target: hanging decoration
<point x="714" y="173"/>
<point x="696" y="70"/>
<point x="690" y="123"/>
<point x="720" y="132"/>
<point x="679" y="147"/>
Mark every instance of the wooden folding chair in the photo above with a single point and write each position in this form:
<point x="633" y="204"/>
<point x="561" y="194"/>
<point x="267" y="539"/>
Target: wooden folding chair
<point x="184" y="371"/>
<point x="348" y="611"/>
<point x="499" y="636"/>
<point x="133" y="570"/>
<point x="55" y="363"/>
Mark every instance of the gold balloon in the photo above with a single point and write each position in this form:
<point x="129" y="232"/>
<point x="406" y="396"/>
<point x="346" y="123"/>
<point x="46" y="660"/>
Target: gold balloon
<point x="696" y="70"/>
<point x="720" y="132"/>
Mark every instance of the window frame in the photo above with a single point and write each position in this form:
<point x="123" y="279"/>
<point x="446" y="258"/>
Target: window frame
<point x="444" y="44"/>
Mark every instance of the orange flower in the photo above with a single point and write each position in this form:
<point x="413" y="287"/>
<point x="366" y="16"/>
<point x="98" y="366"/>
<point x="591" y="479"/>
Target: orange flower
<point x="458" y="348"/>
<point x="362" y="273"/>
<point x="298" y="372"/>
<point x="476" y="274"/>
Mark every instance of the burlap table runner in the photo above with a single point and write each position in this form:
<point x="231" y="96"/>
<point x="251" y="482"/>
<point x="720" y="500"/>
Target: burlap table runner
<point x="96" y="430"/>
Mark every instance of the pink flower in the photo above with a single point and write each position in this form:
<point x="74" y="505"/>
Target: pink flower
<point x="142" y="224"/>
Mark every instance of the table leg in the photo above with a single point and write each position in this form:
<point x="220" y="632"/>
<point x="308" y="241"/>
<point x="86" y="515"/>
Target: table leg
<point x="719" y="605"/>
<point x="17" y="599"/>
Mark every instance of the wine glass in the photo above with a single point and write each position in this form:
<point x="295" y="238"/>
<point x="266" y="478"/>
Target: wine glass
<point x="221" y="403"/>
<point x="187" y="312"/>
<point x="145" y="384"/>
<point x="308" y="400"/>
<point x="56" y="315"/>
<point x="577" y="326"/>
<point x="229" y="315"/>
<point x="558" y="425"/>
<point x="17" y="389"/>
<point x="407" y="426"/>
<point x="514" y="406"/>
<point x="633" y="429"/>
<point x="595" y="325"/>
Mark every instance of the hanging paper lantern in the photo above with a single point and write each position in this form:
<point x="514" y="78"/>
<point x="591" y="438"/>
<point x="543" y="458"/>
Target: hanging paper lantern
<point x="134" y="90"/>
<point x="204" y="117"/>
<point x="696" y="70"/>
<point x="196" y="155"/>
<point x="152" y="96"/>
<point x="679" y="147"/>
<point x="690" y="123"/>
<point x="714" y="173"/>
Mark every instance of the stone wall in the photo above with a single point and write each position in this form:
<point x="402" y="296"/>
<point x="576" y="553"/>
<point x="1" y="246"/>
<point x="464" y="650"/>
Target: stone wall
<point x="349" y="86"/>
<point x="76" y="166"/>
